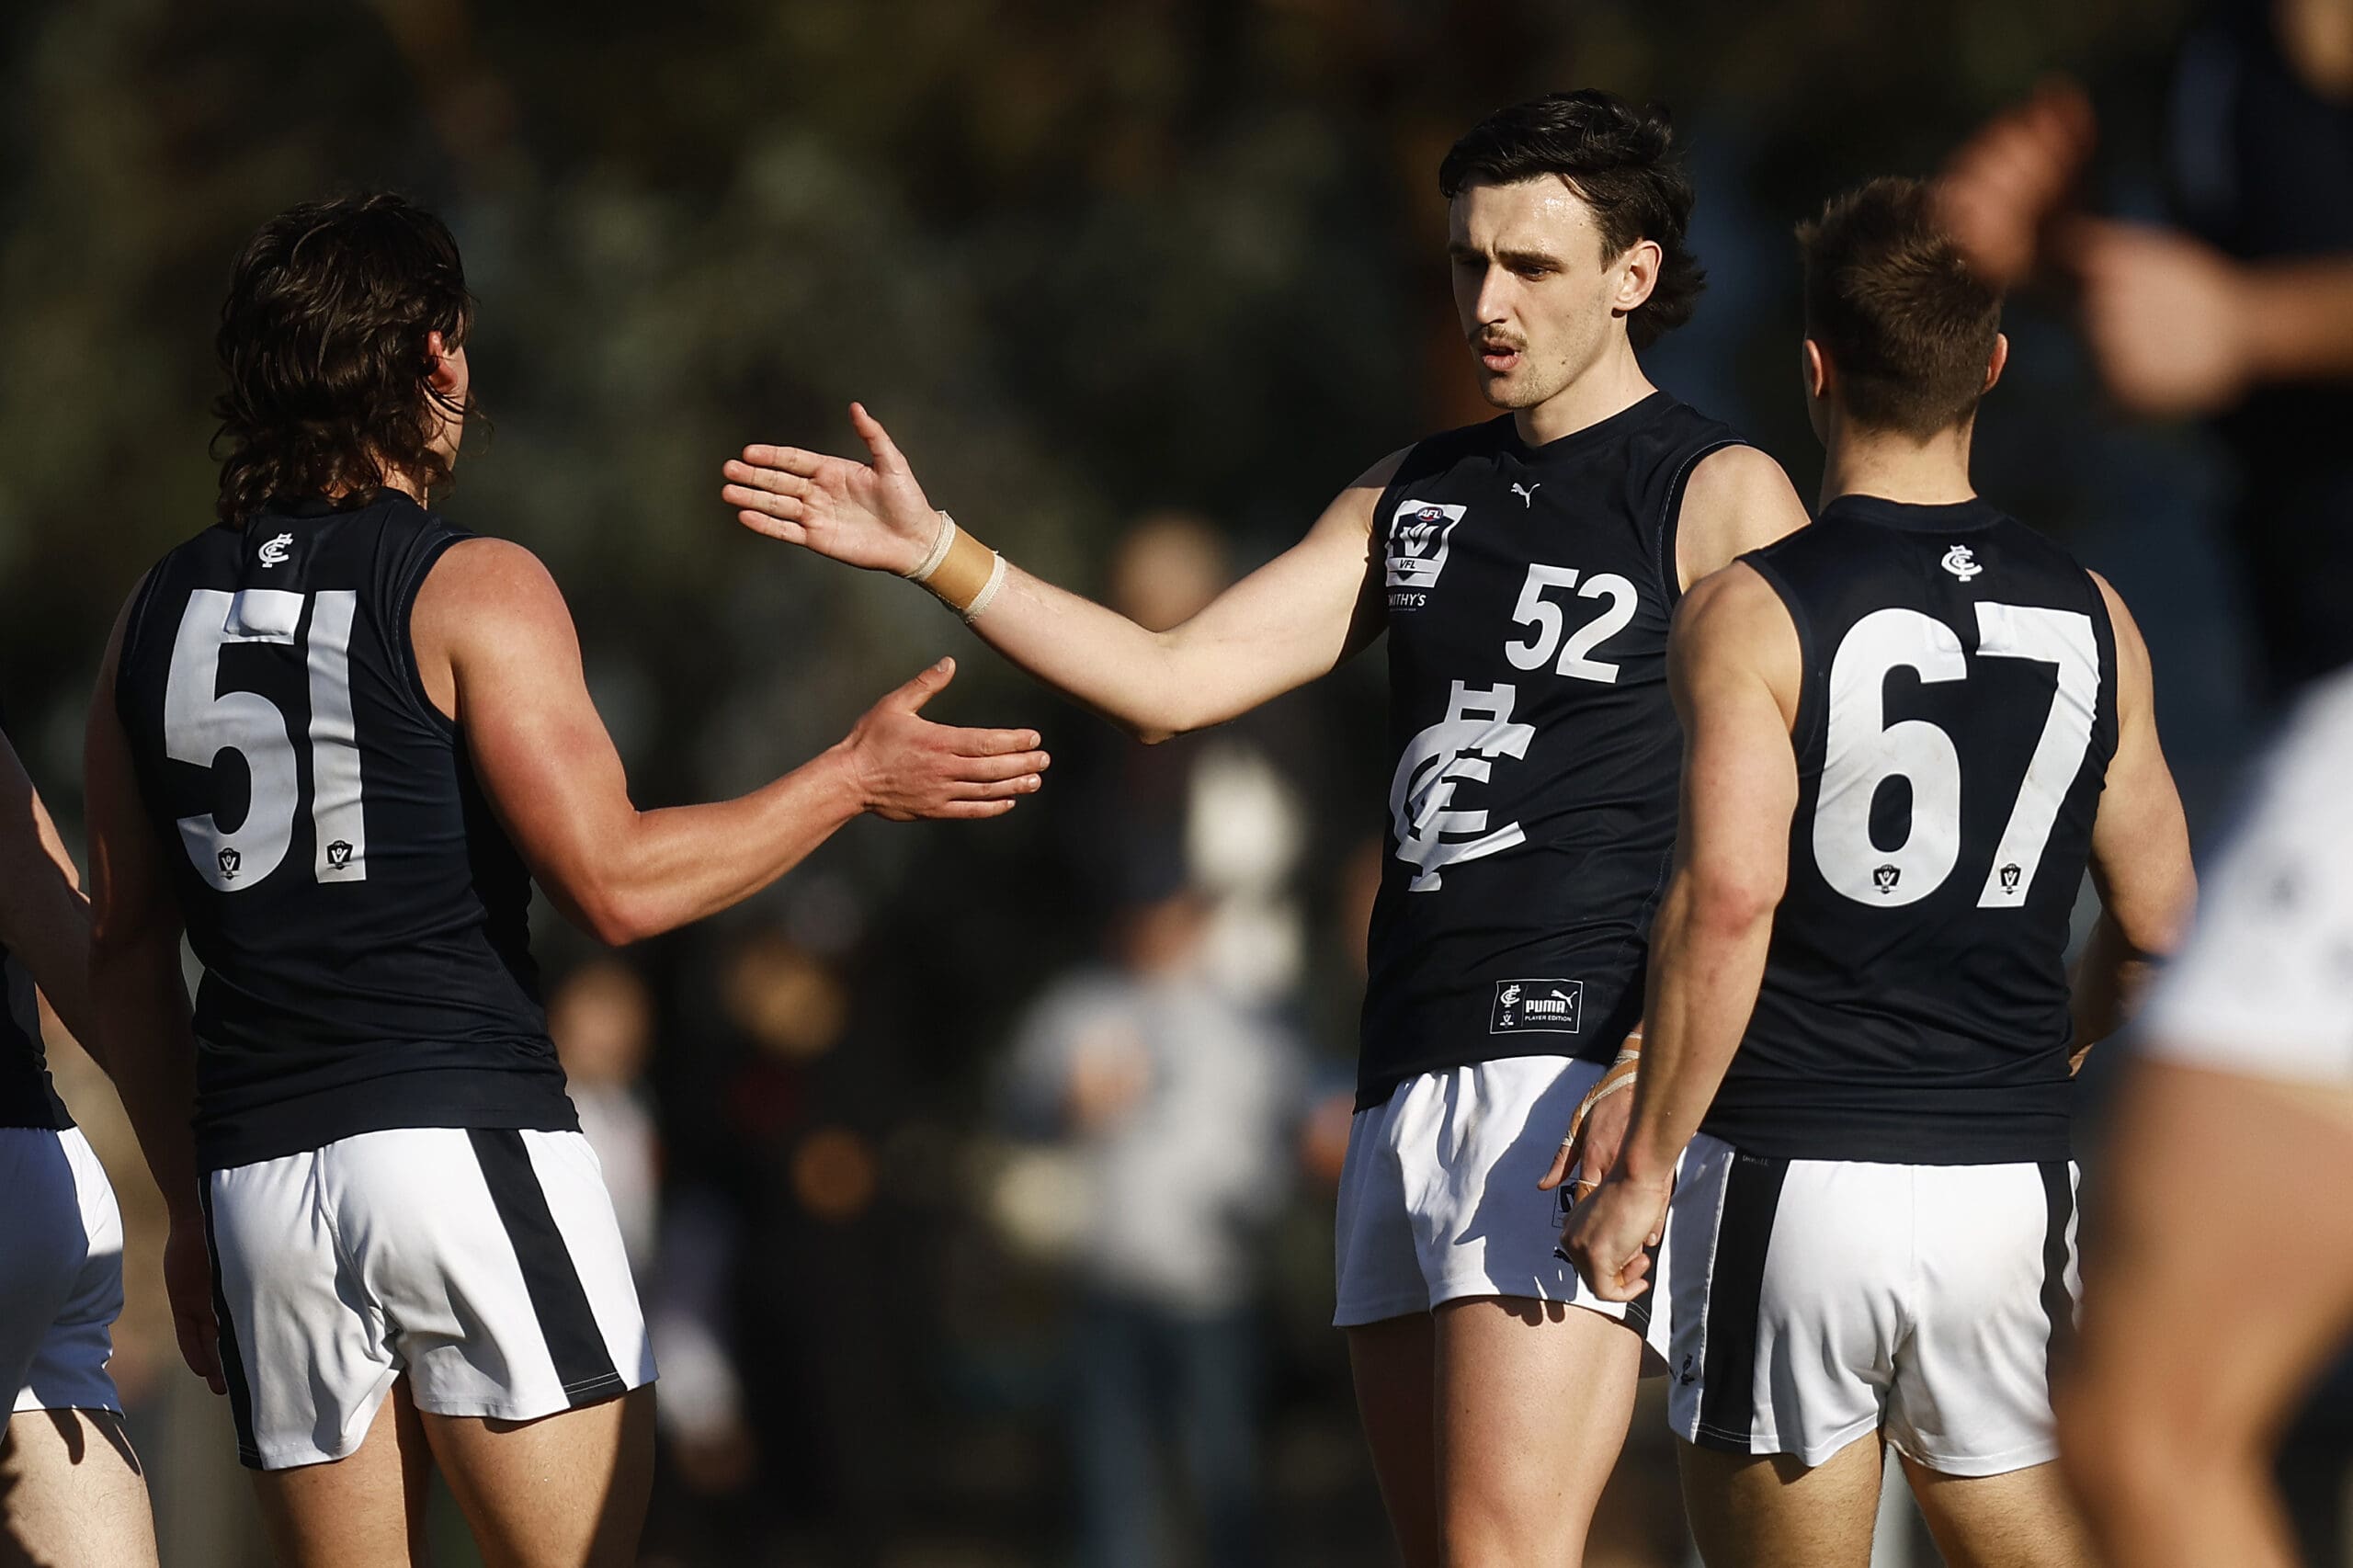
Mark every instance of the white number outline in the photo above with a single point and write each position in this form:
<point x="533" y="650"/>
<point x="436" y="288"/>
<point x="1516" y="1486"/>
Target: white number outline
<point x="1862" y="752"/>
<point x="200" y="721"/>
<point x="1534" y="608"/>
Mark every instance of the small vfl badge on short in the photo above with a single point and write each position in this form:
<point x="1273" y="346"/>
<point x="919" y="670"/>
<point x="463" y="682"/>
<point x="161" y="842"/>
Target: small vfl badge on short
<point x="1537" y="1007"/>
<point x="1962" y="562"/>
<point x="1417" y="543"/>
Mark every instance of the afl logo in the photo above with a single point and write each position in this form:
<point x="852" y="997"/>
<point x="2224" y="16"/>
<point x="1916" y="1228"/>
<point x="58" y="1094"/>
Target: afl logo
<point x="1962" y="562"/>
<point x="275" y="553"/>
<point x="1418" y="532"/>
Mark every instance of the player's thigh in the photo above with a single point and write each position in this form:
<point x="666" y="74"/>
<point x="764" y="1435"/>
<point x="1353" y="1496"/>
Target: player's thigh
<point x="365" y="1510"/>
<point x="1533" y="1399"/>
<point x="2024" y="1518"/>
<point x="1393" y="1362"/>
<point x="564" y="1491"/>
<point x="2167" y="1415"/>
<point x="72" y="1493"/>
<point x="1772" y="1511"/>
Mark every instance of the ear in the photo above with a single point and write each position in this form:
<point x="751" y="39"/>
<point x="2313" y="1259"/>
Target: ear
<point x="1814" y="368"/>
<point x="443" y="375"/>
<point x="1636" y="275"/>
<point x="1994" y="367"/>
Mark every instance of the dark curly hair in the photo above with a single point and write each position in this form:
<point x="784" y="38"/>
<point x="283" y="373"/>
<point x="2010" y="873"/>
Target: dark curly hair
<point x="1908" y="326"/>
<point x="1620" y="160"/>
<point x="323" y="340"/>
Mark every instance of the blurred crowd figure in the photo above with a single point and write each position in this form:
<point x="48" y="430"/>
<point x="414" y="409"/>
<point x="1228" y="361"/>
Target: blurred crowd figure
<point x="1157" y="1075"/>
<point x="2239" y="313"/>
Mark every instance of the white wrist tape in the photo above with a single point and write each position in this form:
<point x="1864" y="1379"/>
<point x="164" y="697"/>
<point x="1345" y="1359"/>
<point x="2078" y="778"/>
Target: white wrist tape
<point x="988" y="596"/>
<point x="940" y="544"/>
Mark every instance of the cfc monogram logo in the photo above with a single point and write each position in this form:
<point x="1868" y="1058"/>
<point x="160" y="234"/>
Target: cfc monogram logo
<point x="275" y="552"/>
<point x="1431" y="834"/>
<point x="1962" y="562"/>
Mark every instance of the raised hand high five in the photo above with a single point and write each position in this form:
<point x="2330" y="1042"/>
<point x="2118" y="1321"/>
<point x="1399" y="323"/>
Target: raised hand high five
<point x="873" y="515"/>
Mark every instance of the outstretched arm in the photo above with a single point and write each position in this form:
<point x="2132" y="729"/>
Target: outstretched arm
<point x="2139" y="853"/>
<point x="44" y="919"/>
<point x="496" y="650"/>
<point x="1291" y="620"/>
<point x="1734" y="664"/>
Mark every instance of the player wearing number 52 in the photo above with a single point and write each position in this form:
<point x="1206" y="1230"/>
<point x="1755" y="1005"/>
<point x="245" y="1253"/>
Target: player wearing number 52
<point x="1909" y="731"/>
<point x="335" y="740"/>
<point x="1524" y="570"/>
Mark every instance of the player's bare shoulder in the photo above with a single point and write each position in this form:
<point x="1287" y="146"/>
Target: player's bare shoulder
<point x="1737" y="499"/>
<point x="485" y="597"/>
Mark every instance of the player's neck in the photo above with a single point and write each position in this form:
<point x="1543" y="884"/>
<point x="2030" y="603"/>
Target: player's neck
<point x="1934" y="473"/>
<point x="1611" y="384"/>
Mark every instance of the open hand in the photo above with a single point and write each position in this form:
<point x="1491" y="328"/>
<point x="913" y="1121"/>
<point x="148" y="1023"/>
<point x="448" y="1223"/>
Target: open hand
<point x="865" y="515"/>
<point x="905" y="767"/>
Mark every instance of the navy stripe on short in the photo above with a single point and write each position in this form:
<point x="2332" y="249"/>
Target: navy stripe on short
<point x="233" y="1360"/>
<point x="568" y="1325"/>
<point x="2058" y="1302"/>
<point x="1736" y="1291"/>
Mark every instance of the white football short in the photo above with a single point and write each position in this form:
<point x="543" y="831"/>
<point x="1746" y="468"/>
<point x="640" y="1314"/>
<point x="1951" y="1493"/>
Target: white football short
<point x="1817" y="1301"/>
<point x="61" y="1272"/>
<point x="2265" y="986"/>
<point x="1439" y="1198"/>
<point x="485" y="1265"/>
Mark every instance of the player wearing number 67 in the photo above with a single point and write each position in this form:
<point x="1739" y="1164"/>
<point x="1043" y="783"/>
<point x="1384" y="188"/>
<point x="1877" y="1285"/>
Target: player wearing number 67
<point x="1910" y="729"/>
<point x="1524" y="569"/>
<point x="336" y="739"/>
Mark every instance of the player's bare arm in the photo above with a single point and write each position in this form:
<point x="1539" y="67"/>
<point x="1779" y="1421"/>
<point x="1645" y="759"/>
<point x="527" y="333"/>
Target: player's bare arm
<point x="139" y="1009"/>
<point x="497" y="652"/>
<point x="1733" y="668"/>
<point x="2139" y="852"/>
<point x="1737" y="499"/>
<point x="1296" y="618"/>
<point x="44" y="918"/>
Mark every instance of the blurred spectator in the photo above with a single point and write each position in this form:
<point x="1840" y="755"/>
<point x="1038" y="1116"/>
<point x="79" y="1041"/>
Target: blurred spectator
<point x="1224" y="797"/>
<point x="1175" y="1105"/>
<point x="602" y="1020"/>
<point x="2244" y="313"/>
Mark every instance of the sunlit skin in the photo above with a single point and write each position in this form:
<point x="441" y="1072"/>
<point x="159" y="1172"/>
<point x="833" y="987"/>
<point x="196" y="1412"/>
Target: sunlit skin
<point x="1544" y="306"/>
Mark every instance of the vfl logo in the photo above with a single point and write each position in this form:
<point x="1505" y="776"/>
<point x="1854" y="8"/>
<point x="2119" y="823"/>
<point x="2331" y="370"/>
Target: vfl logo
<point x="339" y="854"/>
<point x="1431" y="834"/>
<point x="1687" y="1376"/>
<point x="1537" y="1007"/>
<point x="1527" y="492"/>
<point x="1960" y="563"/>
<point x="275" y="553"/>
<point x="1417" y="542"/>
<point x="229" y="863"/>
<point x="2010" y="875"/>
<point x="1885" y="878"/>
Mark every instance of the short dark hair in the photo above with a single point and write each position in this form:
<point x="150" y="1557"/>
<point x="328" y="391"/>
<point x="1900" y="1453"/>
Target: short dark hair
<point x="323" y="340"/>
<point x="1908" y="326"/>
<point x="1621" y="161"/>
